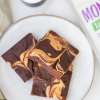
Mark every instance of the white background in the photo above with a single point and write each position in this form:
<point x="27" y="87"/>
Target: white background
<point x="60" y="8"/>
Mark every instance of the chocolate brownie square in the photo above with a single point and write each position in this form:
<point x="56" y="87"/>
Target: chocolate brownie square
<point x="49" y="49"/>
<point x="17" y="56"/>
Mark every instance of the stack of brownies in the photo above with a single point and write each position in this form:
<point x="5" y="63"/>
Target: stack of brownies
<point x="47" y="61"/>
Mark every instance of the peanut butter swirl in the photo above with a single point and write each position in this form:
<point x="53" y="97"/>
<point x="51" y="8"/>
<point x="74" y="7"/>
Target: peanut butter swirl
<point x="17" y="56"/>
<point x="43" y="56"/>
<point x="55" y="90"/>
<point x="55" y="41"/>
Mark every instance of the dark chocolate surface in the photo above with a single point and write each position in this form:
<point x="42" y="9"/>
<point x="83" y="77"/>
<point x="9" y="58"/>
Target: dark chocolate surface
<point x="24" y="73"/>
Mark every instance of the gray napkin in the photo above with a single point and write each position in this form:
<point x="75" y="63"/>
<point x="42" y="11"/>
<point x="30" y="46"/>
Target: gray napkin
<point x="5" y="17"/>
<point x="2" y="96"/>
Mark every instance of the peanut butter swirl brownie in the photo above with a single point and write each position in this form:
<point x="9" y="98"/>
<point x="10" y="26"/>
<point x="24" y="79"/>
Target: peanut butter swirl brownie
<point x="54" y="56"/>
<point x="17" y="56"/>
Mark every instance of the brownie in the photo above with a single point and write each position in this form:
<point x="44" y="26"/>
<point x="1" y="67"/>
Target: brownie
<point x="17" y="56"/>
<point x="48" y="49"/>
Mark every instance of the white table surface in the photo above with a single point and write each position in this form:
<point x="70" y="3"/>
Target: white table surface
<point x="59" y="8"/>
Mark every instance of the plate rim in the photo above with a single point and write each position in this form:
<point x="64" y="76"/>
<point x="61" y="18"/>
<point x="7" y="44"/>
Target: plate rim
<point x="62" y="18"/>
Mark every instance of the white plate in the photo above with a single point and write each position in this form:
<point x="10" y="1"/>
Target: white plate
<point x="12" y="85"/>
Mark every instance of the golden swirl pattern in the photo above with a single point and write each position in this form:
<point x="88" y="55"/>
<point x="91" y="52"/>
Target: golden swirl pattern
<point x="55" y="41"/>
<point x="55" y="90"/>
<point x="43" y="56"/>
